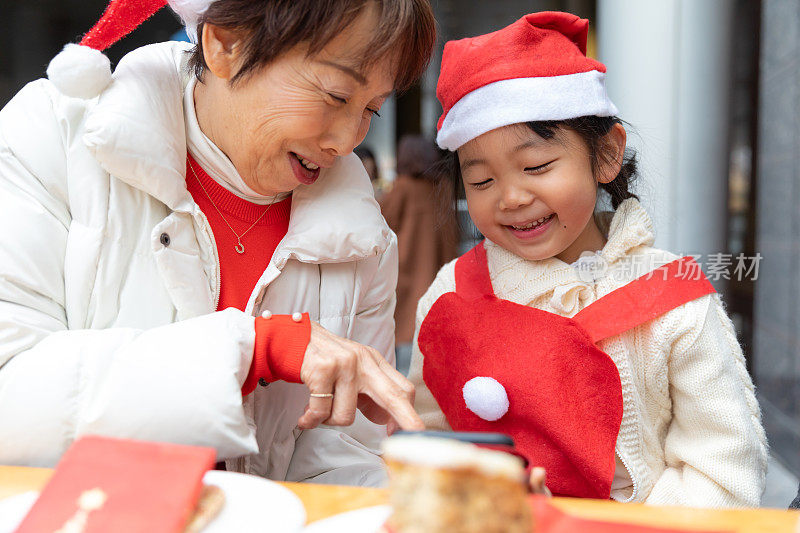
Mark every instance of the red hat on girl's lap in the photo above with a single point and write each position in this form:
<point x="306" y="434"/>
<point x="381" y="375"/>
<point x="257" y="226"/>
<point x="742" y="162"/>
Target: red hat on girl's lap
<point x="534" y="69"/>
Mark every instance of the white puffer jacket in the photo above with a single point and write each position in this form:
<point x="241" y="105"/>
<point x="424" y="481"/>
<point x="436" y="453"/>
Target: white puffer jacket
<point x="105" y="329"/>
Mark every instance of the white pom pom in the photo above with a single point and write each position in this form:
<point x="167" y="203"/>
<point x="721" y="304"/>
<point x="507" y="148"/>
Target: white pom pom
<point x="190" y="12"/>
<point x="486" y="397"/>
<point x="80" y="71"/>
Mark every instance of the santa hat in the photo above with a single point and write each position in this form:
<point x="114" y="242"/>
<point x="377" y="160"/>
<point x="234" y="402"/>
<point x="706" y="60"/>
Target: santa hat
<point x="535" y="69"/>
<point x="83" y="71"/>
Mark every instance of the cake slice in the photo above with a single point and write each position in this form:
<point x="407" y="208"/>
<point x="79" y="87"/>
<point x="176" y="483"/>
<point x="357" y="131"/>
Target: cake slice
<point x="440" y="485"/>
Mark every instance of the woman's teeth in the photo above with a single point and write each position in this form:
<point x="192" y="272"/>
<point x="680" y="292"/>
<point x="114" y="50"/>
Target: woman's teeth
<point x="306" y="163"/>
<point x="533" y="224"/>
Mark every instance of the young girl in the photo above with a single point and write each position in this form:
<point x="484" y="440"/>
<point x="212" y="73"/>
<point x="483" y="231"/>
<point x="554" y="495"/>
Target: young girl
<point x="612" y="364"/>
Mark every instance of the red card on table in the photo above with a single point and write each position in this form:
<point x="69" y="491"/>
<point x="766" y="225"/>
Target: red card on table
<point x="125" y="486"/>
<point x="551" y="520"/>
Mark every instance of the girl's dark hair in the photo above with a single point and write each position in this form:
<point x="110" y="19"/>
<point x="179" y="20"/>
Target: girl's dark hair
<point x="269" y="28"/>
<point x="592" y="130"/>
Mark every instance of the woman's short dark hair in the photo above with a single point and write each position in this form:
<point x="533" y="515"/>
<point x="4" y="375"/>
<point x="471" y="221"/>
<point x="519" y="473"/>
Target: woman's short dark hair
<point x="417" y="157"/>
<point x="272" y="27"/>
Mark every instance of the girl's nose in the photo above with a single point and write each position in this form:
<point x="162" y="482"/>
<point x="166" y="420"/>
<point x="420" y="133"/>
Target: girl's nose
<point x="514" y="197"/>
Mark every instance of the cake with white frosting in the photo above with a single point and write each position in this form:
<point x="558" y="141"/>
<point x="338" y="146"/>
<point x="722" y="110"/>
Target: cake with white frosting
<point x="442" y="485"/>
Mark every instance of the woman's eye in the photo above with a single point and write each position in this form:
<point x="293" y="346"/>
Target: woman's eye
<point x="374" y="112"/>
<point x="538" y="169"/>
<point x="481" y="184"/>
<point x="337" y="99"/>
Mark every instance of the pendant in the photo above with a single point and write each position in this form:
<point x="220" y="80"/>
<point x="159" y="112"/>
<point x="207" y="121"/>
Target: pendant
<point x="239" y="248"/>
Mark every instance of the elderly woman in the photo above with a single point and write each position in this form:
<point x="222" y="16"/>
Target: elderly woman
<point x="195" y="255"/>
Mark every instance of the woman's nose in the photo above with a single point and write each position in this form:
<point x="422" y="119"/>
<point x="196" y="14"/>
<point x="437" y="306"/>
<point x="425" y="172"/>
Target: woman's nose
<point x="344" y="134"/>
<point x="514" y="197"/>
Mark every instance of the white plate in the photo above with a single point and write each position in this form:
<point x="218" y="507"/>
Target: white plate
<point x="14" y="509"/>
<point x="366" y="520"/>
<point x="252" y="504"/>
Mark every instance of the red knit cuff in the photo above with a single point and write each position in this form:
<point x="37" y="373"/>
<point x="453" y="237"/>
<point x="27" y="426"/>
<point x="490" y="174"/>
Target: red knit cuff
<point x="279" y="350"/>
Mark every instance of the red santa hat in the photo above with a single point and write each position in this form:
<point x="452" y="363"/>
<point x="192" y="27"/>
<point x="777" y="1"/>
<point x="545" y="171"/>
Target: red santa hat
<point x="83" y="71"/>
<point x="535" y="69"/>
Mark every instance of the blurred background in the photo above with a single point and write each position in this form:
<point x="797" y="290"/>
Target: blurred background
<point x="710" y="90"/>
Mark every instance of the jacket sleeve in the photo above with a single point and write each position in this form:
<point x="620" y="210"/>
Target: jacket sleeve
<point x="425" y="404"/>
<point x="715" y="448"/>
<point x="179" y="382"/>
<point x="351" y="455"/>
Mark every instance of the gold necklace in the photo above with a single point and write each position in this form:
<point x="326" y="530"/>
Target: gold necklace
<point x="239" y="247"/>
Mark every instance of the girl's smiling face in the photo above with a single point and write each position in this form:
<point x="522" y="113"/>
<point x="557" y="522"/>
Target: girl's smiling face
<point x="535" y="197"/>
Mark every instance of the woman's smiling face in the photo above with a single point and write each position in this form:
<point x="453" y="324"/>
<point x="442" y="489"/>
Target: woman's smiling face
<point x="533" y="196"/>
<point x="300" y="113"/>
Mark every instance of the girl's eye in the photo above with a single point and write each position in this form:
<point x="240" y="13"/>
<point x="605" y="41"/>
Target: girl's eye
<point x="539" y="169"/>
<point x="481" y="184"/>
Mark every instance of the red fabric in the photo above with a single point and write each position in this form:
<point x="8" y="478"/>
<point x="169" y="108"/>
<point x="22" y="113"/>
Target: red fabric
<point x="652" y="295"/>
<point x="279" y="351"/>
<point x="119" y="19"/>
<point x="127" y="472"/>
<point x="537" y="45"/>
<point x="565" y="396"/>
<point x="239" y="272"/>
<point x="280" y="343"/>
<point x="549" y="519"/>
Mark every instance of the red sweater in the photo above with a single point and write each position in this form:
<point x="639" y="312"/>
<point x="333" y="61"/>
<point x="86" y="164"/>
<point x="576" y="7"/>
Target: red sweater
<point x="280" y="341"/>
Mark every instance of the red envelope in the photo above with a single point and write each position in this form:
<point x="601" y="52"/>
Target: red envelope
<point x="123" y="486"/>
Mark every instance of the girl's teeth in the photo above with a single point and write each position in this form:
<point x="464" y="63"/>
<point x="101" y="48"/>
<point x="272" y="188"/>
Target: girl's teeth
<point x="533" y="224"/>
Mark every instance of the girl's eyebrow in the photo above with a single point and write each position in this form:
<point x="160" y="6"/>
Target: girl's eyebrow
<point x="530" y="143"/>
<point x="472" y="163"/>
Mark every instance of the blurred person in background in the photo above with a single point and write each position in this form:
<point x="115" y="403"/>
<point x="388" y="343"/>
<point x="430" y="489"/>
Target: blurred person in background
<point x="427" y="238"/>
<point x="370" y="163"/>
<point x="190" y="252"/>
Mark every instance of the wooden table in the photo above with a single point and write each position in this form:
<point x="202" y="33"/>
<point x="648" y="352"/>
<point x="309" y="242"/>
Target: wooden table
<point x="322" y="501"/>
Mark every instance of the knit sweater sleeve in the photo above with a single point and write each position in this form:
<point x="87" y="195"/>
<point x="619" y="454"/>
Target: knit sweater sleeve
<point x="425" y="404"/>
<point x="715" y="449"/>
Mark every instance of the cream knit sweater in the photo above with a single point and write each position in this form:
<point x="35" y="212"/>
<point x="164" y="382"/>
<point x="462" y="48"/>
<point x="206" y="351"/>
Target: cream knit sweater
<point x="691" y="429"/>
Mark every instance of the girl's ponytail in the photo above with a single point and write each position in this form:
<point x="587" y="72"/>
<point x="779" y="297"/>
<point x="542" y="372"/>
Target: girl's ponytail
<point x="619" y="188"/>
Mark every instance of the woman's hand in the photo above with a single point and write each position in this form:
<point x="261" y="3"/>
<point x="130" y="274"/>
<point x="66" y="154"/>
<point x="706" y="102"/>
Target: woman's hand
<point x="537" y="481"/>
<point x="358" y="377"/>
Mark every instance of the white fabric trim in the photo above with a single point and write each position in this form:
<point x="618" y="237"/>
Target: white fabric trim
<point x="518" y="100"/>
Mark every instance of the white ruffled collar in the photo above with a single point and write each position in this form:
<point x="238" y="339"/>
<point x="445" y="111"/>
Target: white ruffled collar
<point x="569" y="288"/>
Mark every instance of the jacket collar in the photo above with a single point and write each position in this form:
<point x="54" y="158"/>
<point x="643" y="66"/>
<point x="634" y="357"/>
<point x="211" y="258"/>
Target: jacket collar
<point x="136" y="131"/>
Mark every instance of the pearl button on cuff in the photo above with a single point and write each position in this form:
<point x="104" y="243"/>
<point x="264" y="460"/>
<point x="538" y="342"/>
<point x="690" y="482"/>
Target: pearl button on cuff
<point x="297" y="317"/>
<point x="266" y="314"/>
